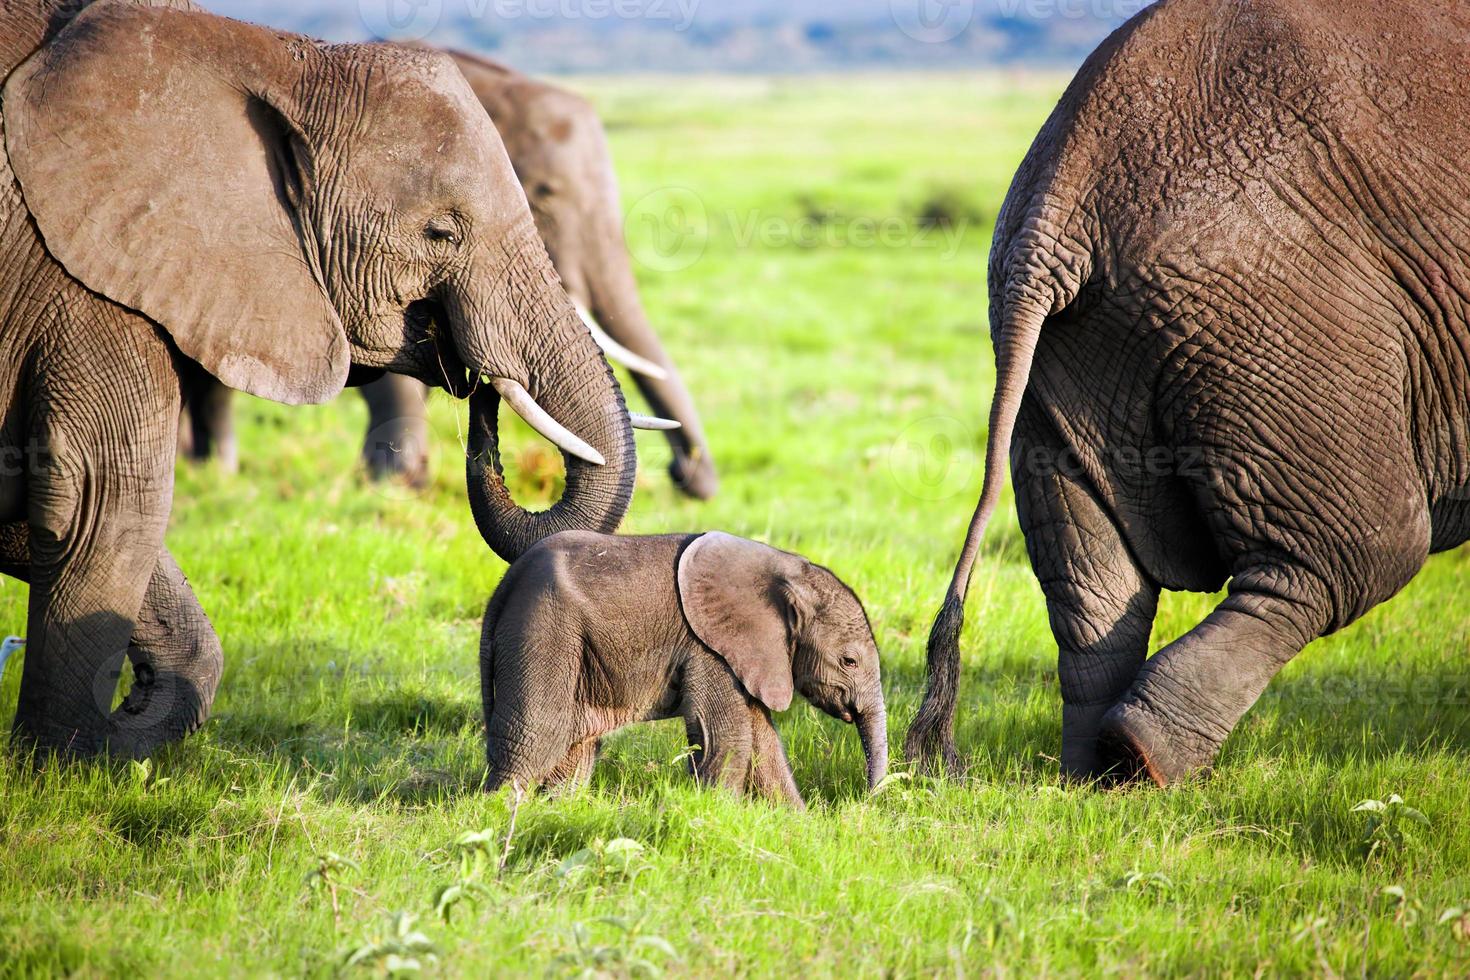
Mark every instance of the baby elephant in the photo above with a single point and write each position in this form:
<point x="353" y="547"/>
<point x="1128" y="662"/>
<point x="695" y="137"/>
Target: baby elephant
<point x="590" y="632"/>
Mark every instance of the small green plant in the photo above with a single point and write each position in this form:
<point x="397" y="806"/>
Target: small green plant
<point x="1405" y="908"/>
<point x="619" y="859"/>
<point x="399" y="951"/>
<point x="629" y="952"/>
<point x="1147" y="882"/>
<point x="1388" y="825"/>
<point x="324" y="877"/>
<point x="141" y="773"/>
<point x="473" y="850"/>
<point x="1457" y="920"/>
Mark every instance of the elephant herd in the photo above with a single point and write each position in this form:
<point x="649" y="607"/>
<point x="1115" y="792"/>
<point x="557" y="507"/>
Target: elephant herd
<point x="1228" y="302"/>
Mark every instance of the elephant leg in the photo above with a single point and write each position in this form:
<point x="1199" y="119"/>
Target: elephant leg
<point x="574" y="771"/>
<point x="175" y="654"/>
<point x="397" y="441"/>
<point x="207" y="425"/>
<point x="717" y="720"/>
<point x="1100" y="603"/>
<point x="1189" y="696"/>
<point x="770" y="769"/>
<point x="96" y="532"/>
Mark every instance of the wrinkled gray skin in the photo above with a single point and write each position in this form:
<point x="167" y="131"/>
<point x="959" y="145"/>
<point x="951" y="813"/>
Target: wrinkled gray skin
<point x="184" y="189"/>
<point x="557" y="146"/>
<point x="589" y="632"/>
<point x="1228" y="301"/>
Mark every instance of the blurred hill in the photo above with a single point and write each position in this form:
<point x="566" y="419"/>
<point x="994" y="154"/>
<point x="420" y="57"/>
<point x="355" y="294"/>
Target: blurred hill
<point x="612" y="36"/>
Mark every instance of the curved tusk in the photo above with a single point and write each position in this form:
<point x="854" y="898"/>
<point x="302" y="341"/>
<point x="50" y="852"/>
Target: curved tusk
<point x="559" y="435"/>
<point x="615" y="351"/>
<point x="653" y="422"/>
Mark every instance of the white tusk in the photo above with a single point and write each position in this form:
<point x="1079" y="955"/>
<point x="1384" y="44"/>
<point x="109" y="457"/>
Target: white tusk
<point x="559" y="435"/>
<point x="617" y="352"/>
<point x="653" y="422"/>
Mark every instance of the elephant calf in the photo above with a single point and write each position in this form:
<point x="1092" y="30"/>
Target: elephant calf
<point x="590" y="632"/>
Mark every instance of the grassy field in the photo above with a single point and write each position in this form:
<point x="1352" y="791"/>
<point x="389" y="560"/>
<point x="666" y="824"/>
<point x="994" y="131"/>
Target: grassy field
<point x="840" y="354"/>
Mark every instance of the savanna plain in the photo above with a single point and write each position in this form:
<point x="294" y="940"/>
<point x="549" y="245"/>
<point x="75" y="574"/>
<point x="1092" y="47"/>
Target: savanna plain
<point x="813" y="252"/>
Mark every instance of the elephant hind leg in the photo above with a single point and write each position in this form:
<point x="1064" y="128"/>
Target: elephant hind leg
<point x="1190" y="695"/>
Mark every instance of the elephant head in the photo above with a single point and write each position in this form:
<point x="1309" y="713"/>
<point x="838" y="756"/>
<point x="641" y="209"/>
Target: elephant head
<point x="784" y="624"/>
<point x="286" y="210"/>
<point x="556" y="144"/>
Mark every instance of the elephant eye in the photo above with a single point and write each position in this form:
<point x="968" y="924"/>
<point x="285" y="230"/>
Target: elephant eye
<point x="543" y="190"/>
<point x="441" y="231"/>
<point x="850" y="663"/>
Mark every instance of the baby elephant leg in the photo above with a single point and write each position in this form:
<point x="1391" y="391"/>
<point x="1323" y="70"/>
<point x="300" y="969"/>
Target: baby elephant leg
<point x="573" y="772"/>
<point x="770" y="770"/>
<point x="717" y="721"/>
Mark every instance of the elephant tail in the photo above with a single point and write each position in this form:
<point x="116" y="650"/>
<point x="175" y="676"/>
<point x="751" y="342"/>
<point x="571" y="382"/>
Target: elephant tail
<point x="1027" y="300"/>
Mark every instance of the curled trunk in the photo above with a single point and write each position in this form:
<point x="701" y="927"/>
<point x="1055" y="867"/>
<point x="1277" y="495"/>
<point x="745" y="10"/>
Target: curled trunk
<point x="567" y="377"/>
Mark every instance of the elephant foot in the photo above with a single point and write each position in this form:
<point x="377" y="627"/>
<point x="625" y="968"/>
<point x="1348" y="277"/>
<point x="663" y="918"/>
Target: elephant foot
<point x="694" y="477"/>
<point x="1136" y="742"/>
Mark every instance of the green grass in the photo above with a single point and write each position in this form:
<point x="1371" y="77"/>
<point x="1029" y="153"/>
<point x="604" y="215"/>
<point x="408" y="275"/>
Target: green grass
<point x="844" y="390"/>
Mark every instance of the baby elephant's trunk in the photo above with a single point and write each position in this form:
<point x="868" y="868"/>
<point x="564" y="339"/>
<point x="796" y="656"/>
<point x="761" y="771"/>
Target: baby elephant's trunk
<point x="873" y="730"/>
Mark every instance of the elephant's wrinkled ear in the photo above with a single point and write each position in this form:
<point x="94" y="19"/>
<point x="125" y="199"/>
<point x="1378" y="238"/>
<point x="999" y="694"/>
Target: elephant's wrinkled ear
<point x="734" y="596"/>
<point x="153" y="152"/>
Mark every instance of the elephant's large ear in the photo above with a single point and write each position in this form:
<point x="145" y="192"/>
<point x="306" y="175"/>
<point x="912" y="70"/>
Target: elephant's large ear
<point x="739" y="599"/>
<point x="154" y="149"/>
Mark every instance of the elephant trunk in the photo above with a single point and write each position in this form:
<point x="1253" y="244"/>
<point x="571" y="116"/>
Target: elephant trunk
<point x="567" y="380"/>
<point x="872" y="727"/>
<point x="613" y="298"/>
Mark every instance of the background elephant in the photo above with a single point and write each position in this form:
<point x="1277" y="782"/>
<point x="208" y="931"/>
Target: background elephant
<point x="1228" y="298"/>
<point x="590" y="632"/>
<point x="190" y="190"/>
<point x="556" y="144"/>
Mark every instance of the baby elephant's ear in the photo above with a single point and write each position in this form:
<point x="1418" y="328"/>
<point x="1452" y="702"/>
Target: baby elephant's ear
<point x="735" y="597"/>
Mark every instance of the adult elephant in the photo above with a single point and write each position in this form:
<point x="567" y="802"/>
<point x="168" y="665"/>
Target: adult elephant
<point x="185" y="189"/>
<point x="556" y="144"/>
<point x="1228" y="299"/>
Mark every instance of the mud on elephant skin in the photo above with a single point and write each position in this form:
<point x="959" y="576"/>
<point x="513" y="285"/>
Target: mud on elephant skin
<point x="559" y="151"/>
<point x="349" y="206"/>
<point x="588" y="633"/>
<point x="1274" y="310"/>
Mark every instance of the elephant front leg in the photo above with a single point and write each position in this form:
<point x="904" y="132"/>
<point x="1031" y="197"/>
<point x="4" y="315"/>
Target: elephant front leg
<point x="770" y="769"/>
<point x="717" y="722"/>
<point x="207" y="424"/>
<point x="176" y="656"/>
<point x="397" y="441"/>
<point x="1100" y="603"/>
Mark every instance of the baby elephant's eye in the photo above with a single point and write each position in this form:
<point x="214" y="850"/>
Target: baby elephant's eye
<point x="442" y="231"/>
<point x="849" y="662"/>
